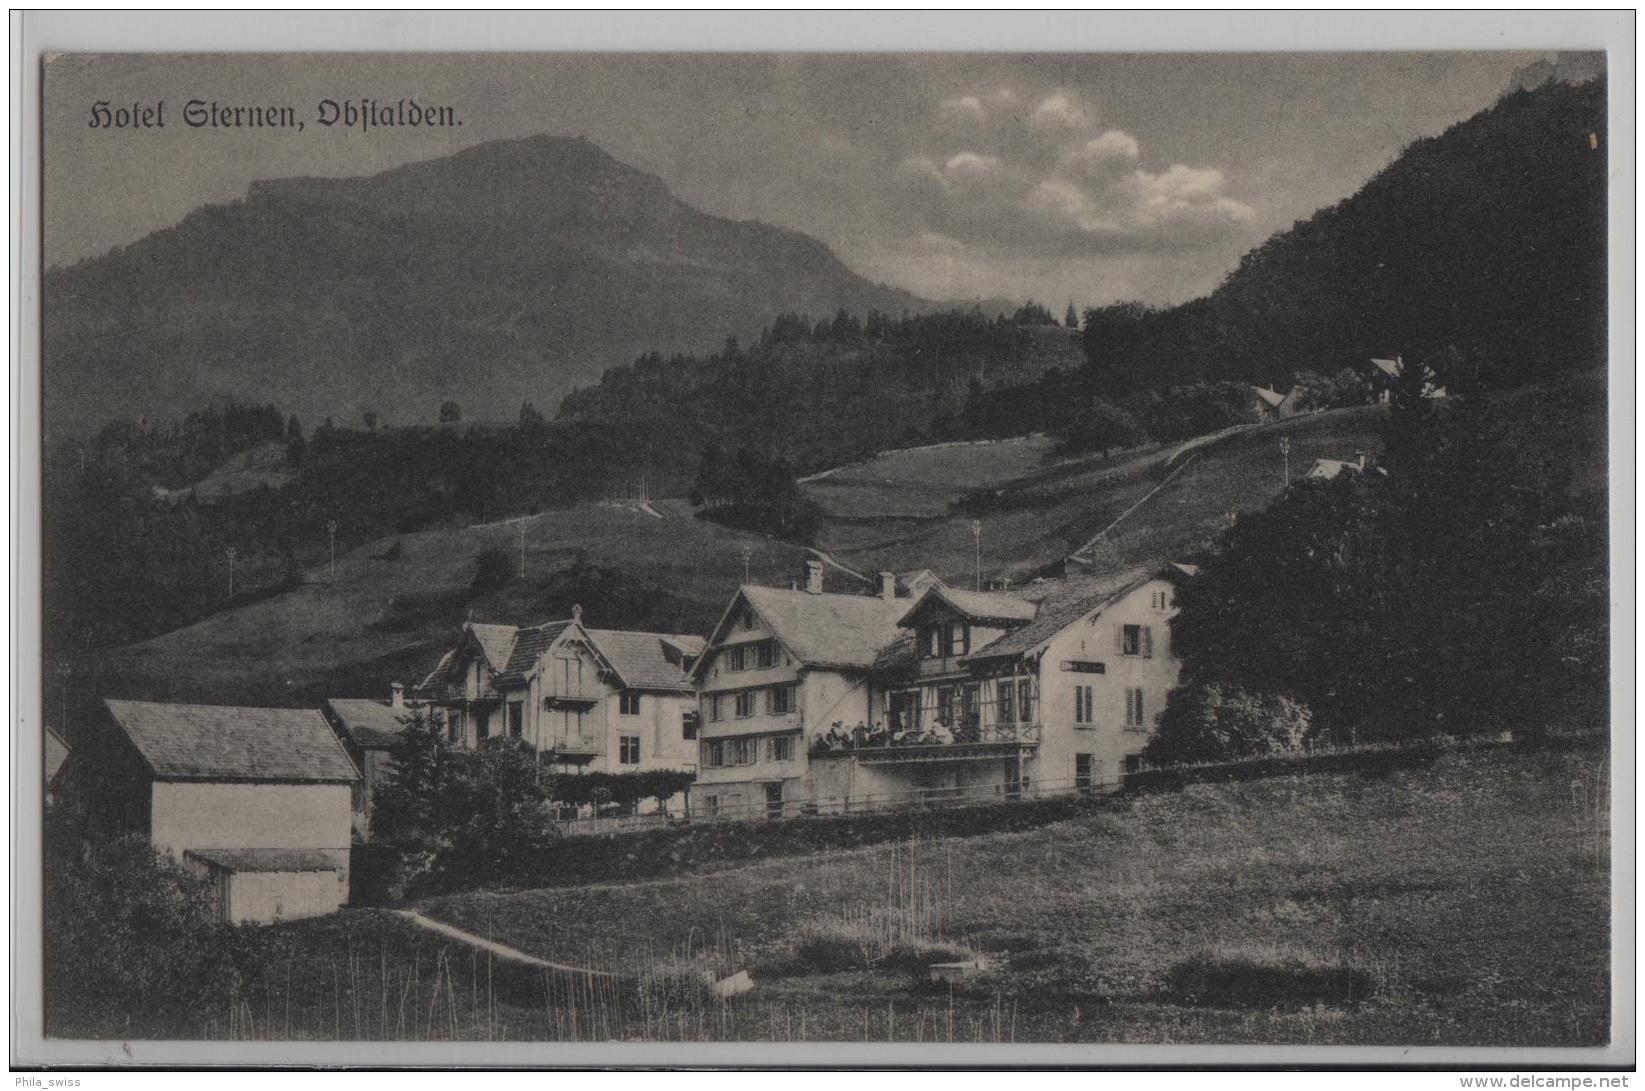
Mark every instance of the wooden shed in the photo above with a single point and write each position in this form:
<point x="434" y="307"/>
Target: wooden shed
<point x="218" y="782"/>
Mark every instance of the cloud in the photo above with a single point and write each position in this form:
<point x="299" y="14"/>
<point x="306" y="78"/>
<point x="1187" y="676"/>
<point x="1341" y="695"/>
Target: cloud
<point x="1057" y="184"/>
<point x="964" y="108"/>
<point x="1058" y="114"/>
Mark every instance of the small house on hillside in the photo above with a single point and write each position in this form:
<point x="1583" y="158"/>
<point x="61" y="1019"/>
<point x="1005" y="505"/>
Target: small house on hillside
<point x="369" y="730"/>
<point x="1273" y="405"/>
<point x="258" y="799"/>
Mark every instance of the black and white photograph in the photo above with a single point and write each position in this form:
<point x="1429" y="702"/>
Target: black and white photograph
<point x="927" y="548"/>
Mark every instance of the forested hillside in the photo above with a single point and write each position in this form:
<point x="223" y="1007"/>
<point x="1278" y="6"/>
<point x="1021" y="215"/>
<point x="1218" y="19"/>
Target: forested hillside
<point x="1489" y="239"/>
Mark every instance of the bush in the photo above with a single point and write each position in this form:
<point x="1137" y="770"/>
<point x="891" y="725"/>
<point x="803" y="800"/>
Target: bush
<point x="1265" y="982"/>
<point x="1213" y="722"/>
<point x="125" y="924"/>
<point x="833" y="947"/>
<point x="1101" y="426"/>
<point x="493" y="568"/>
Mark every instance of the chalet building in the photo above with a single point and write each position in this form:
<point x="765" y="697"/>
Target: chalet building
<point x="1055" y="687"/>
<point x="369" y="730"/>
<point x="258" y="799"/>
<point x="812" y="699"/>
<point x="1273" y="405"/>
<point x="586" y="700"/>
<point x="781" y="666"/>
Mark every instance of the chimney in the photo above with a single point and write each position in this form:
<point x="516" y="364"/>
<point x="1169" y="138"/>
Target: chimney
<point x="813" y="577"/>
<point x="888" y="586"/>
<point x="577" y="612"/>
<point x="396" y="695"/>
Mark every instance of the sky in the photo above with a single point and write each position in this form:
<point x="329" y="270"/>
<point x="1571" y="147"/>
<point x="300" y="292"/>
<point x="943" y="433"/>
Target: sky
<point x="1083" y="178"/>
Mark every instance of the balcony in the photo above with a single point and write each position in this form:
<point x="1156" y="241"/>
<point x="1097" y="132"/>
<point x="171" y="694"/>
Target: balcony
<point x="455" y="697"/>
<point x="573" y="748"/>
<point x="968" y="742"/>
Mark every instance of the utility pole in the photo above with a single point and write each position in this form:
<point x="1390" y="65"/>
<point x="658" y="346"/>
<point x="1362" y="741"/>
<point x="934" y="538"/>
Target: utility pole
<point x="331" y="543"/>
<point x="232" y="553"/>
<point x="748" y="554"/>
<point x="1285" y="453"/>
<point x="522" y="547"/>
<point x="976" y="535"/>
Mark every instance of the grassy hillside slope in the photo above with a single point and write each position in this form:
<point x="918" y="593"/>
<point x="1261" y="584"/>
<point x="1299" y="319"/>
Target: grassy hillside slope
<point x="393" y="606"/>
<point x="1472" y="895"/>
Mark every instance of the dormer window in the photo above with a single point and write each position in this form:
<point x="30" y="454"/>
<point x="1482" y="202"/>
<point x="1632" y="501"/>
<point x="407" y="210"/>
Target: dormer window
<point x="959" y="638"/>
<point x="931" y="641"/>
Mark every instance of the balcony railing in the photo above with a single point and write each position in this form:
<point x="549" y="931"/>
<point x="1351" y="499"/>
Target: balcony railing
<point x="880" y="740"/>
<point x="574" y="746"/>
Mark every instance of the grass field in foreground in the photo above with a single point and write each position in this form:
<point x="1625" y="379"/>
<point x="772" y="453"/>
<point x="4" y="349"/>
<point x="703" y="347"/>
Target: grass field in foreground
<point x="1469" y="899"/>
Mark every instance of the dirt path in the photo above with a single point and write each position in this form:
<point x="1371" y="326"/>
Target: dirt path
<point x="503" y="951"/>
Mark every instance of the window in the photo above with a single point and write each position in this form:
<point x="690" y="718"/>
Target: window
<point x="629" y="749"/>
<point x="905" y="710"/>
<point x="774" y="800"/>
<point x="765" y="654"/>
<point x="1134" y="715"/>
<point x="1025" y="701"/>
<point x="737" y="658"/>
<point x="779" y="748"/>
<point x="1083" y="776"/>
<point x="779" y="701"/>
<point x="746" y="621"/>
<point x="713" y="753"/>
<point x="1082" y="705"/>
<point x="711" y="805"/>
<point x="742" y="751"/>
<point x="516" y="719"/>
<point x="1133" y="763"/>
<point x="690" y="725"/>
<point x="454" y="725"/>
<point x="745" y="703"/>
<point x="1007" y="697"/>
<point x="945" y="706"/>
<point x="482" y="724"/>
<point x="628" y="703"/>
<point x="1137" y="640"/>
<point x="714" y="706"/>
<point x="931" y="641"/>
<point x="959" y="638"/>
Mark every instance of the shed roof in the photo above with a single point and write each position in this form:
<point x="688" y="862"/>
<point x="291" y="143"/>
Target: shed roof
<point x="372" y="725"/>
<point x="222" y="742"/>
<point x="828" y="630"/>
<point x="266" y="859"/>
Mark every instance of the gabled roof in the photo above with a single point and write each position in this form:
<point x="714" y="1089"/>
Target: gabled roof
<point x="975" y="605"/>
<point x="640" y="659"/>
<point x="372" y="725"/>
<point x="494" y="642"/>
<point x="1063" y="602"/>
<point x="1272" y="397"/>
<point x="530" y="642"/>
<point x="1328" y="468"/>
<point x="266" y="859"/>
<point x="826" y="630"/>
<point x="57" y="752"/>
<point x="686" y="645"/>
<point x="1388" y="367"/>
<point x="221" y="742"/>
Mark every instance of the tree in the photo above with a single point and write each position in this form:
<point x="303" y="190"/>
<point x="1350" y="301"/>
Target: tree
<point x="369" y="419"/>
<point x="1071" y="319"/>
<point x="1101" y="426"/>
<point x="1214" y="722"/>
<point x="405" y="808"/>
<point x="450" y="412"/>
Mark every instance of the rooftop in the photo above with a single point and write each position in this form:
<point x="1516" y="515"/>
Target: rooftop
<point x="222" y="742"/>
<point x="827" y="629"/>
<point x="266" y="859"/>
<point x="372" y="725"/>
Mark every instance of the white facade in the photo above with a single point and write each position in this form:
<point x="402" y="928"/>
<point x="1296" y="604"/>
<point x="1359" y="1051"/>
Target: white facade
<point x="234" y="815"/>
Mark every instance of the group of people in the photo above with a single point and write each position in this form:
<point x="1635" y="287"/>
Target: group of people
<point x="839" y="737"/>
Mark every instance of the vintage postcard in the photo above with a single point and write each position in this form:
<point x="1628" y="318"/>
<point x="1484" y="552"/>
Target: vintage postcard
<point x="930" y="548"/>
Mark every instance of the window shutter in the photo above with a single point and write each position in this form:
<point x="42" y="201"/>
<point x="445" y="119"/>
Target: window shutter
<point x="1119" y="640"/>
<point x="1148" y="641"/>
